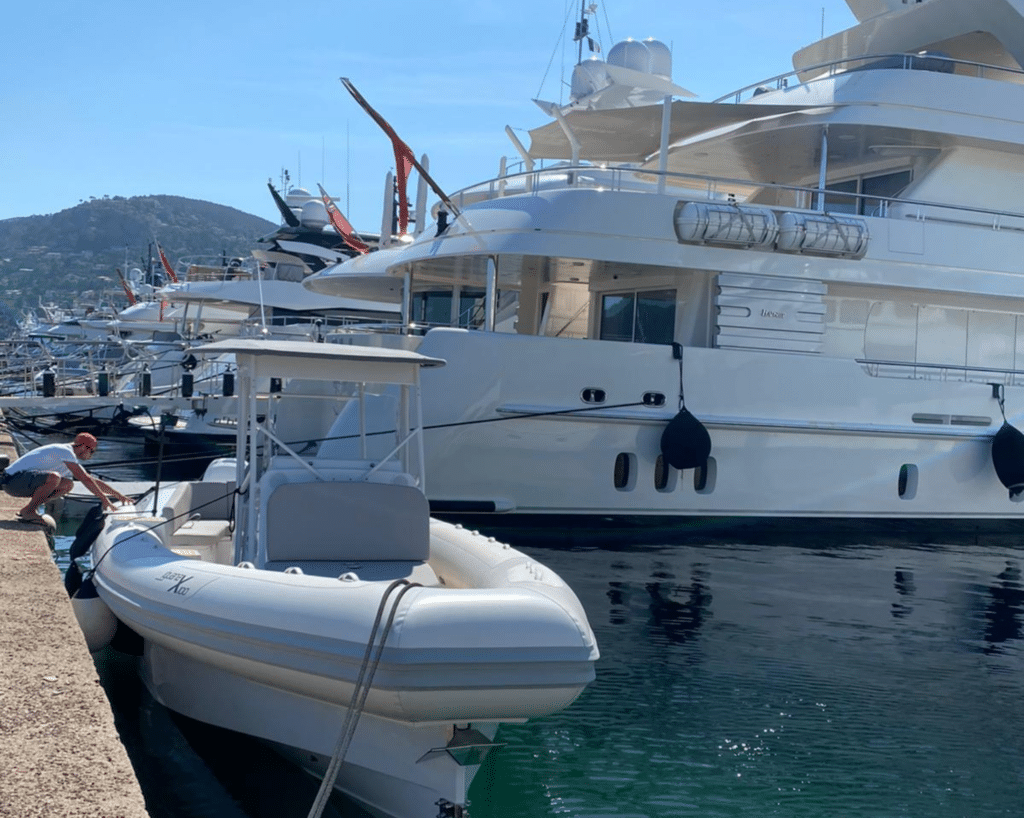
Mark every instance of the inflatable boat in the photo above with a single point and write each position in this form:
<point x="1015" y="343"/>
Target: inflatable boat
<point x="314" y="603"/>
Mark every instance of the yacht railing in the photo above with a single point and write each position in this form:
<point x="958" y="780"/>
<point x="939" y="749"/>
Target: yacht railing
<point x="925" y="61"/>
<point x="945" y="372"/>
<point x="214" y="268"/>
<point x="695" y="187"/>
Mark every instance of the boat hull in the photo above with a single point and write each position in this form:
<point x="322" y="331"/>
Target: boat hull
<point x="791" y="436"/>
<point x="278" y="655"/>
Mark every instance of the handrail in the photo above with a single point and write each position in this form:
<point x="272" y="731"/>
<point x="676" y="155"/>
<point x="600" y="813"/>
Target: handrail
<point x="959" y="367"/>
<point x="830" y="69"/>
<point x="716" y="189"/>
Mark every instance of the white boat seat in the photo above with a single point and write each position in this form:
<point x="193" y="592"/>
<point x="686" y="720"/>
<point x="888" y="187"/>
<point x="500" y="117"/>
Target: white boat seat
<point x="340" y="521"/>
<point x="199" y="500"/>
<point x="199" y="517"/>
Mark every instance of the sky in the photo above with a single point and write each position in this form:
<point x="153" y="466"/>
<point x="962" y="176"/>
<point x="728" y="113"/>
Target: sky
<point x="211" y="101"/>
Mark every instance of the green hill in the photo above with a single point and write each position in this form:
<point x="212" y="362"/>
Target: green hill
<point x="59" y="256"/>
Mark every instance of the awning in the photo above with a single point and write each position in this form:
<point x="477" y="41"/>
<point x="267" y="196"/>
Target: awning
<point x="634" y="134"/>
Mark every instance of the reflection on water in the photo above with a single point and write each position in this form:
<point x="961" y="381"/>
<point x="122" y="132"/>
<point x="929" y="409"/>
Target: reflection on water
<point x="775" y="680"/>
<point x="1004" y="608"/>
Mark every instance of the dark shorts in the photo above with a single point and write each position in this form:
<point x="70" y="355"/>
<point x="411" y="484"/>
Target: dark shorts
<point x="25" y="483"/>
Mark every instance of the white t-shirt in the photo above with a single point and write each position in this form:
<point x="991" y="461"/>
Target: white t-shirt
<point x="46" y="458"/>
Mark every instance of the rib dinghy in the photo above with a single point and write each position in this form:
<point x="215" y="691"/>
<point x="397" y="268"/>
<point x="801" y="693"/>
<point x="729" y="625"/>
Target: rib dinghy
<point x="319" y="607"/>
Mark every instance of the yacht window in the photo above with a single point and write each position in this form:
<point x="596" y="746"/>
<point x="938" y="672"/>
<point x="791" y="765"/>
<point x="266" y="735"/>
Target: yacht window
<point x="888" y="186"/>
<point x="471" y="309"/>
<point x="435" y="309"/>
<point x="432" y="308"/>
<point x="840" y="197"/>
<point x="287" y="272"/>
<point x="641" y="317"/>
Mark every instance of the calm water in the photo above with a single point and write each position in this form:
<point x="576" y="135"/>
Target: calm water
<point x="735" y="680"/>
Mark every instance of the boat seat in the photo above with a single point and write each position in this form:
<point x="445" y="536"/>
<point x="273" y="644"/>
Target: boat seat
<point x="199" y="500"/>
<point x="345" y="521"/>
<point x="199" y="514"/>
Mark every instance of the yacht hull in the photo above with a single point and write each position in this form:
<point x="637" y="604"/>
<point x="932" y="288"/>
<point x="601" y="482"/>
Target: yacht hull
<point x="791" y="436"/>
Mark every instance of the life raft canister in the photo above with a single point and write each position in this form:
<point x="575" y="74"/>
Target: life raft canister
<point x="1008" y="458"/>
<point x="686" y="444"/>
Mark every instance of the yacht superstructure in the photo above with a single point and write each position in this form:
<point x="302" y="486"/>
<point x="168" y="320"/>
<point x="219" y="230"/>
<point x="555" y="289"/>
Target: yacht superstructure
<point x="823" y="268"/>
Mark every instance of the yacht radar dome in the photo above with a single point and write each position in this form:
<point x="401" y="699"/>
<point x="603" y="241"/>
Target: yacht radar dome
<point x="661" y="58"/>
<point x="314" y="215"/>
<point x="297" y="197"/>
<point x="631" y="54"/>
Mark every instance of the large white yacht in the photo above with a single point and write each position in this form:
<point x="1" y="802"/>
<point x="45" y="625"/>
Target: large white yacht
<point x="824" y="269"/>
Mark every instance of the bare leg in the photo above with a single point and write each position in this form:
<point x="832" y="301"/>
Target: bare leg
<point x="51" y="488"/>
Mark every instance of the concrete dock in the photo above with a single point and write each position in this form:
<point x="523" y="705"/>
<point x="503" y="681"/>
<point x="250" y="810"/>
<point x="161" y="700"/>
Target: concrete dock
<point x="60" y="754"/>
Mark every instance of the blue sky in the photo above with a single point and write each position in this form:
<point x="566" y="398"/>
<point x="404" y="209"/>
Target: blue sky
<point x="209" y="102"/>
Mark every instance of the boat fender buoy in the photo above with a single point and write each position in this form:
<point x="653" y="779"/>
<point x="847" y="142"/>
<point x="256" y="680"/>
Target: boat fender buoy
<point x="685" y="443"/>
<point x="1008" y="458"/>
<point x="85" y="536"/>
<point x="96" y="620"/>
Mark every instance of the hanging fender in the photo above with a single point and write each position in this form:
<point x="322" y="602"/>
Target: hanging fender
<point x="686" y="444"/>
<point x="1008" y="458"/>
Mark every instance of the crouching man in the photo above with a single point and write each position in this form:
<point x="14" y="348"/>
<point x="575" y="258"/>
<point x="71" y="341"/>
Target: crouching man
<point x="50" y="471"/>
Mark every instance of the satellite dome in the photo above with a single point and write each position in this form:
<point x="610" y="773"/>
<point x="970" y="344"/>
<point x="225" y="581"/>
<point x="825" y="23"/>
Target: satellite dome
<point x="630" y="54"/>
<point x="587" y="77"/>
<point x="661" y="58"/>
<point x="314" y="215"/>
<point x="297" y="197"/>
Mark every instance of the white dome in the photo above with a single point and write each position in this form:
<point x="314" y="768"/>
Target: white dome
<point x="587" y="77"/>
<point x="314" y="215"/>
<point x="630" y="54"/>
<point x="661" y="58"/>
<point x="297" y="197"/>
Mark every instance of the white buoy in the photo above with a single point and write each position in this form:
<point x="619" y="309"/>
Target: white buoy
<point x="96" y="620"/>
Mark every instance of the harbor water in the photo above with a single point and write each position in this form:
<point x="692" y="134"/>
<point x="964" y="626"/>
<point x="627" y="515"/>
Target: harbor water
<point x="800" y="679"/>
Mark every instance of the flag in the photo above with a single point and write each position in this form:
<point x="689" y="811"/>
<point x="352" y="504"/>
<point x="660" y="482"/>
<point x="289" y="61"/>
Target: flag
<point x="127" y="290"/>
<point x="341" y="224"/>
<point x="286" y="212"/>
<point x="167" y="265"/>
<point x="404" y="162"/>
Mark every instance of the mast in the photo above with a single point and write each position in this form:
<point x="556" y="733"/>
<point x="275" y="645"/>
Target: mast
<point x="582" y="29"/>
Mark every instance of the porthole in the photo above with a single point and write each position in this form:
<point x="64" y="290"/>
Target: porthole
<point x="664" y="475"/>
<point x="624" y="476"/>
<point x="906" y="483"/>
<point x="653" y="399"/>
<point x="704" y="477"/>
<point x="593" y="395"/>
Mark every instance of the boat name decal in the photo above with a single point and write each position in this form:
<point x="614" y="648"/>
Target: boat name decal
<point x="179" y="587"/>
<point x="772" y="314"/>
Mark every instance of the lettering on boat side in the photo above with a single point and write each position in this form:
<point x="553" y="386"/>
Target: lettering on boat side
<point x="772" y="314"/>
<point x="179" y="587"/>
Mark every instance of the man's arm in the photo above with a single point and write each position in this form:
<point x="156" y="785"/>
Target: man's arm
<point x="110" y="490"/>
<point x="89" y="482"/>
